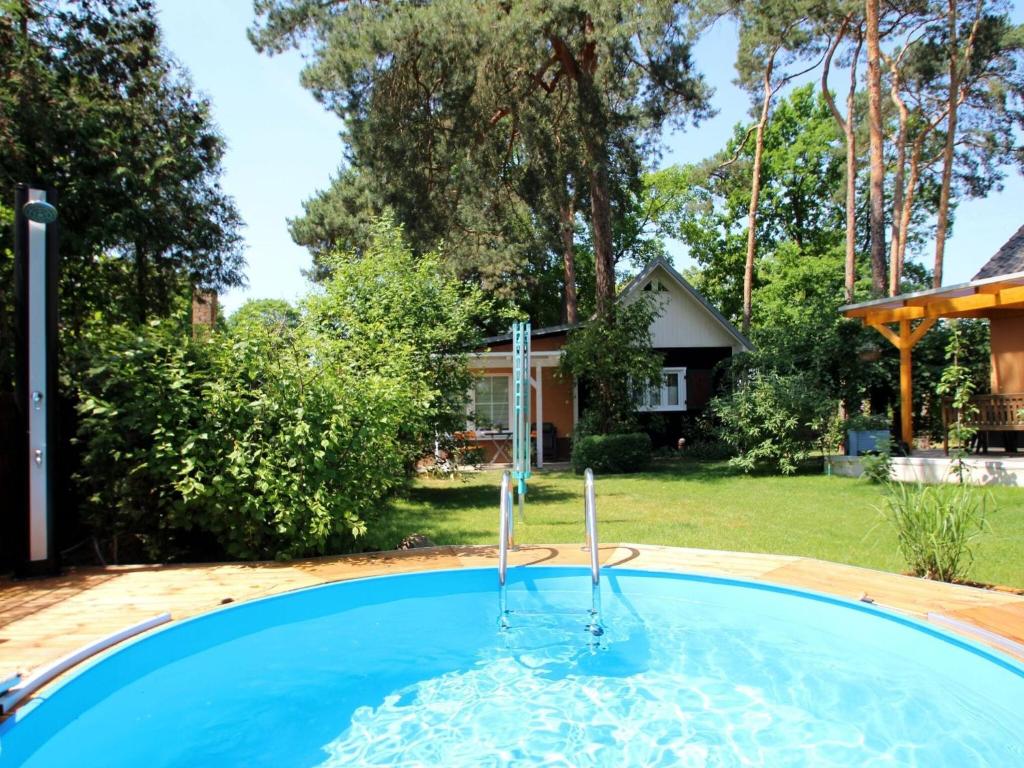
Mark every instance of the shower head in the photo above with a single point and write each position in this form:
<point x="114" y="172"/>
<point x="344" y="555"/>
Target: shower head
<point x="39" y="211"/>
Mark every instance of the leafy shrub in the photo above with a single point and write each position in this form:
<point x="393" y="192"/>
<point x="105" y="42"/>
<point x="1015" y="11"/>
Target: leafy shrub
<point x="936" y="526"/>
<point x="877" y="466"/>
<point x="387" y="311"/>
<point x="771" y="419"/>
<point x="247" y="442"/>
<point x="612" y="454"/>
<point x="138" y="399"/>
<point x="280" y="435"/>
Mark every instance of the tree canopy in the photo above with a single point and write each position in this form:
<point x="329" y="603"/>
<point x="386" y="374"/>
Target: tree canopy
<point x="93" y="105"/>
<point x="487" y="127"/>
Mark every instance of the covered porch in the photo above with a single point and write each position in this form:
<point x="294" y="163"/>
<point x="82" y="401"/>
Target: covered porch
<point x="904" y="319"/>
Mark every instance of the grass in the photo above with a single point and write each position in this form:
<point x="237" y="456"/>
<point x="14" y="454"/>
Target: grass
<point x="706" y="505"/>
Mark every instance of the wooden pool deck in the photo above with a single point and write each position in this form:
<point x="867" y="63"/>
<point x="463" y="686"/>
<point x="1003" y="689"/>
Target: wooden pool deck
<point x="44" y="619"/>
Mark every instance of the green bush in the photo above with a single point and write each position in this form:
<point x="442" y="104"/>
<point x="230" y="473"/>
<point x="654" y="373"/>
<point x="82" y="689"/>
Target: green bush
<point x="612" y="454"/>
<point x="772" y="419"/>
<point x="249" y="444"/>
<point x="877" y="465"/>
<point x="281" y="434"/>
<point x="613" y="355"/>
<point x="936" y="526"/>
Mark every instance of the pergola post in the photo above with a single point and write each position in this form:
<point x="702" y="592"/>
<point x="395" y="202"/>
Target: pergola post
<point x="905" y="342"/>
<point x="906" y="387"/>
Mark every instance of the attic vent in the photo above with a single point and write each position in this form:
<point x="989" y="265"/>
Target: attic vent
<point x="655" y="286"/>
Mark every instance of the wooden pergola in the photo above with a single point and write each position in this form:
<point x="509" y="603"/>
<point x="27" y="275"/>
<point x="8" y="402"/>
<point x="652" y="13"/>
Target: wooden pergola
<point x="913" y="314"/>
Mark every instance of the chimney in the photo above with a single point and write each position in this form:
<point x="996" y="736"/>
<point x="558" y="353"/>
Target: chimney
<point x="204" y="312"/>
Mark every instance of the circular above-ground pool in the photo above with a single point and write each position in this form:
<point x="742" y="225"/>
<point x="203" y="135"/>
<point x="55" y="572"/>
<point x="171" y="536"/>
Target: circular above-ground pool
<point x="415" y="670"/>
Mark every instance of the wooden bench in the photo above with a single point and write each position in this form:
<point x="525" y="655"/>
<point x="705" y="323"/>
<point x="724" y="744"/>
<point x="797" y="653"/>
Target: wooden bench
<point x="996" y="413"/>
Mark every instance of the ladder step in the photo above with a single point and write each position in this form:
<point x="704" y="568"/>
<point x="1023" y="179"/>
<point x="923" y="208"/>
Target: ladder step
<point x="513" y="612"/>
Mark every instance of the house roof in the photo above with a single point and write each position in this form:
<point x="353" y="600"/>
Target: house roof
<point x="535" y="333"/>
<point x="634" y="285"/>
<point x="1007" y="260"/>
<point x="638" y="282"/>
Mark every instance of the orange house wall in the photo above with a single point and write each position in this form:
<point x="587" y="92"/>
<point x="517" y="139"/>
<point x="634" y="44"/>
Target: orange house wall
<point x="1007" y="355"/>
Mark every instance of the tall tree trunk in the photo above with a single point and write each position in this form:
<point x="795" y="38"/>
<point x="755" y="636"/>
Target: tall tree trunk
<point x="947" y="154"/>
<point x="908" y="198"/>
<point x="595" y="132"/>
<point x="600" y="193"/>
<point x="850" y="272"/>
<point x="755" y="194"/>
<point x="898" y="198"/>
<point x="601" y="233"/>
<point x="876" y="189"/>
<point x="141" y="282"/>
<point x="566" y="218"/>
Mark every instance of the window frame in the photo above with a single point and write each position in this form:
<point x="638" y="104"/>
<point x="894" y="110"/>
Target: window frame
<point x="663" y="406"/>
<point x="471" y="421"/>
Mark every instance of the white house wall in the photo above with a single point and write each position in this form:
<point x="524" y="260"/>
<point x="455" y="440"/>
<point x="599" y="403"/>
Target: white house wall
<point x="684" y="320"/>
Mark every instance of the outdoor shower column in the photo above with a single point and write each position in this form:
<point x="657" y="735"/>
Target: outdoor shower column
<point x="35" y="296"/>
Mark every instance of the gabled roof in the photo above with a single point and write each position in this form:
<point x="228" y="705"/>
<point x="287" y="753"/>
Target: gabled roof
<point x="1008" y="260"/>
<point x="638" y="282"/>
<point x="634" y="285"/>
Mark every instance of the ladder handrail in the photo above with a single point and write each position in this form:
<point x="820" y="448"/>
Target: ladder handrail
<point x="505" y="523"/>
<point x="590" y="518"/>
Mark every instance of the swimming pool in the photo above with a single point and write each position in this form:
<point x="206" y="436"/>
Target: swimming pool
<point x="413" y="670"/>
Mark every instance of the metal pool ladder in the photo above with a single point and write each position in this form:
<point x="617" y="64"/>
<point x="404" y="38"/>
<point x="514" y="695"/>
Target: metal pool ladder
<point x="506" y="542"/>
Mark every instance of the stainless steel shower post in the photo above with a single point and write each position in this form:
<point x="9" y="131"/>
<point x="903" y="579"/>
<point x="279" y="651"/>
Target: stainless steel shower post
<point x="36" y="264"/>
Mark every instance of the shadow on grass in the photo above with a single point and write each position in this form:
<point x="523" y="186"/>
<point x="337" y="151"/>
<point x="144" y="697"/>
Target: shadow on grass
<point x="716" y="471"/>
<point x="428" y="510"/>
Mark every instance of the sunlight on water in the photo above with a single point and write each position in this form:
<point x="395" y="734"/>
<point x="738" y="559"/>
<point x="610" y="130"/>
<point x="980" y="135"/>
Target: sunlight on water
<point x="548" y="695"/>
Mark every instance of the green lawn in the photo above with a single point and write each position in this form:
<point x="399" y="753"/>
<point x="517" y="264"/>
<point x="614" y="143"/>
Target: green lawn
<point x="697" y="505"/>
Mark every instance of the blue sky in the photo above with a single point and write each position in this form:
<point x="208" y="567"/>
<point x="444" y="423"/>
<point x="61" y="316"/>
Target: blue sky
<point x="283" y="146"/>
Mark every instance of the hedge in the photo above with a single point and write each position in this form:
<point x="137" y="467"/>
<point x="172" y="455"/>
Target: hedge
<point x="612" y="454"/>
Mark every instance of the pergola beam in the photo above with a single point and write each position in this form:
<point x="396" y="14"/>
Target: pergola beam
<point x="1007" y="297"/>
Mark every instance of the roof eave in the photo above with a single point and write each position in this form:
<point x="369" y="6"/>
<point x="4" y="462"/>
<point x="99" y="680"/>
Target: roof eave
<point x="898" y="301"/>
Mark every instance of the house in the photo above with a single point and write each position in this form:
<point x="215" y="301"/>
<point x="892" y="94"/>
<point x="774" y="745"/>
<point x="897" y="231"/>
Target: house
<point x="689" y="332"/>
<point x="1006" y="324"/>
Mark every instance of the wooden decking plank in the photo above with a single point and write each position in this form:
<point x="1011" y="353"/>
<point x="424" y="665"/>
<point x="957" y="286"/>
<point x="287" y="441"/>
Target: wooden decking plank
<point x="1005" y="620"/>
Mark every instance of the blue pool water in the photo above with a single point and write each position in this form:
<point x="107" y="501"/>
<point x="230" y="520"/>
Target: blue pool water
<point x="413" y="670"/>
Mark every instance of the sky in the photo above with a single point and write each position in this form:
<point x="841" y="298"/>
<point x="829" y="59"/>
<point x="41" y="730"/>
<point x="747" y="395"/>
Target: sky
<point x="282" y="146"/>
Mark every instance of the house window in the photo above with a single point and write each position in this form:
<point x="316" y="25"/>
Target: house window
<point x="491" y="402"/>
<point x="668" y="395"/>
